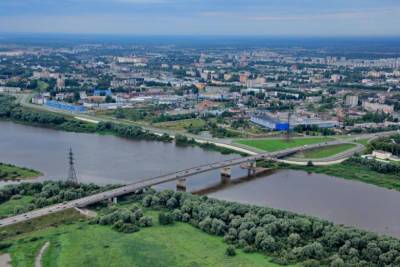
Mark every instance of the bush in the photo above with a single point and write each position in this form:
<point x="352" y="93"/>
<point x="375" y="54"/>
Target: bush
<point x="248" y="249"/>
<point x="145" y="221"/>
<point x="165" y="218"/>
<point x="230" y="251"/>
<point x="4" y="245"/>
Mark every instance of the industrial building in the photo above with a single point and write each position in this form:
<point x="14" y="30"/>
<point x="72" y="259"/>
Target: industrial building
<point x="279" y="124"/>
<point x="65" y="106"/>
<point x="270" y="122"/>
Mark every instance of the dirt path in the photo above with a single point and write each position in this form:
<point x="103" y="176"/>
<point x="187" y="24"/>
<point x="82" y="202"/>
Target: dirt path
<point x="5" y="260"/>
<point x="86" y="212"/>
<point x="38" y="260"/>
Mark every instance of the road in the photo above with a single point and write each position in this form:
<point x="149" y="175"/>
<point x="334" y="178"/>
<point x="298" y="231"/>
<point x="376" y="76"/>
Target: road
<point x="82" y="202"/>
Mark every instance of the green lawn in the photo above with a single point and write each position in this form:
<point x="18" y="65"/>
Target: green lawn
<point x="324" y="152"/>
<point x="11" y="172"/>
<point x="272" y="145"/>
<point x="181" y="124"/>
<point x="363" y="141"/>
<point x="81" y="244"/>
<point x="356" y="172"/>
<point x="7" y="208"/>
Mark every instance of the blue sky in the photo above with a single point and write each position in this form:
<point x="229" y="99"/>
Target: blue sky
<point x="204" y="17"/>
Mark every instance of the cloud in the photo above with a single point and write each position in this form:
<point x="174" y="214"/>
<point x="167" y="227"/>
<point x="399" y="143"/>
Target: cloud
<point x="297" y="16"/>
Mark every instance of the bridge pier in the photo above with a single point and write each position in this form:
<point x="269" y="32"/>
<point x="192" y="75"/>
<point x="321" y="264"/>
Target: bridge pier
<point x="181" y="185"/>
<point x="251" y="169"/>
<point x="226" y="175"/>
<point x="113" y="200"/>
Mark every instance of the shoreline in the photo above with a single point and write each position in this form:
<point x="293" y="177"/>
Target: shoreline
<point x="18" y="170"/>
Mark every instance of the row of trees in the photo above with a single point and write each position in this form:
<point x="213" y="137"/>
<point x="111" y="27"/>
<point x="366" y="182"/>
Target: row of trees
<point x="390" y="144"/>
<point x="288" y="237"/>
<point x="129" y="131"/>
<point x="182" y="140"/>
<point x="167" y="117"/>
<point x="47" y="193"/>
<point x="10" y="110"/>
<point x="378" y="166"/>
<point x="313" y="128"/>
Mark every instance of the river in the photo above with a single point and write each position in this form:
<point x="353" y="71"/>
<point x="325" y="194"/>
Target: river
<point x="109" y="159"/>
<point x="338" y="200"/>
<point x="101" y="159"/>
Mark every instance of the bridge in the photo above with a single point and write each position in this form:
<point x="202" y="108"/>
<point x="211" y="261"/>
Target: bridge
<point x="179" y="176"/>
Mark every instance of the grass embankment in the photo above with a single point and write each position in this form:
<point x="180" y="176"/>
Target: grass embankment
<point x="272" y="145"/>
<point x="355" y="172"/>
<point x="324" y="152"/>
<point x="7" y="208"/>
<point x="82" y="244"/>
<point x="12" y="172"/>
<point x="52" y="220"/>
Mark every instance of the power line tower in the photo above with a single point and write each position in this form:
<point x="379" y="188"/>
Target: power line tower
<point x="72" y="179"/>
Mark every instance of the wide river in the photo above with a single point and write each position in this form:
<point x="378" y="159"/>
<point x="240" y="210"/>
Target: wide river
<point x="101" y="159"/>
<point x="109" y="159"/>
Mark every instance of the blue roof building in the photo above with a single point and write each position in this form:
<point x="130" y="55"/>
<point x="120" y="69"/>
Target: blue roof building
<point x="102" y="92"/>
<point x="270" y="122"/>
<point x="65" y="106"/>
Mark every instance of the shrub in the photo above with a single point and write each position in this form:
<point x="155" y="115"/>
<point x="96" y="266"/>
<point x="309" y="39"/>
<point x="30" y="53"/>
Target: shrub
<point x="145" y="221"/>
<point x="230" y="251"/>
<point x="165" y="218"/>
<point x="4" y="245"/>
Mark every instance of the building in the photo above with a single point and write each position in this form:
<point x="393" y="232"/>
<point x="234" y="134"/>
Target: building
<point x="127" y="82"/>
<point x="39" y="100"/>
<point x="351" y="100"/>
<point x="270" y="122"/>
<point x="7" y="89"/>
<point x="60" y="83"/>
<point x="380" y="154"/>
<point x="102" y="92"/>
<point x="243" y="77"/>
<point x="374" y="107"/>
<point x="65" y="106"/>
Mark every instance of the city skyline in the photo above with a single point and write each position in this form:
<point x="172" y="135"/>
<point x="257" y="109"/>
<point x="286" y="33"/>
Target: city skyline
<point x="193" y="17"/>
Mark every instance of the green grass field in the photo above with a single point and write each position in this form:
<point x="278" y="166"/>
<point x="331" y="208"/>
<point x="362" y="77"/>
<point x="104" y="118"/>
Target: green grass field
<point x="363" y="141"/>
<point x="181" y="124"/>
<point x="82" y="244"/>
<point x="11" y="172"/>
<point x="272" y="145"/>
<point x="7" y="208"/>
<point x="324" y="152"/>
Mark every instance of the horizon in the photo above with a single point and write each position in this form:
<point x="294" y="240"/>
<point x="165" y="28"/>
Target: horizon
<point x="212" y="18"/>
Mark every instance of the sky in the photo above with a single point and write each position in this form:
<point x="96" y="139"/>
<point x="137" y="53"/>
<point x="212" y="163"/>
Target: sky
<point x="203" y="17"/>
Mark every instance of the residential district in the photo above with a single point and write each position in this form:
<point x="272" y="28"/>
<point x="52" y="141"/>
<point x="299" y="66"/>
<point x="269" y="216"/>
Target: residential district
<point x="223" y="92"/>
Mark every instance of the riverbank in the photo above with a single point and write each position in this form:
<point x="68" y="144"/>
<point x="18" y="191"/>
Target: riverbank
<point x="9" y="172"/>
<point x="238" y="235"/>
<point x="11" y="110"/>
<point x="351" y="171"/>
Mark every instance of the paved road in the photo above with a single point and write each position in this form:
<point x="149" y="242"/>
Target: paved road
<point x="82" y="202"/>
